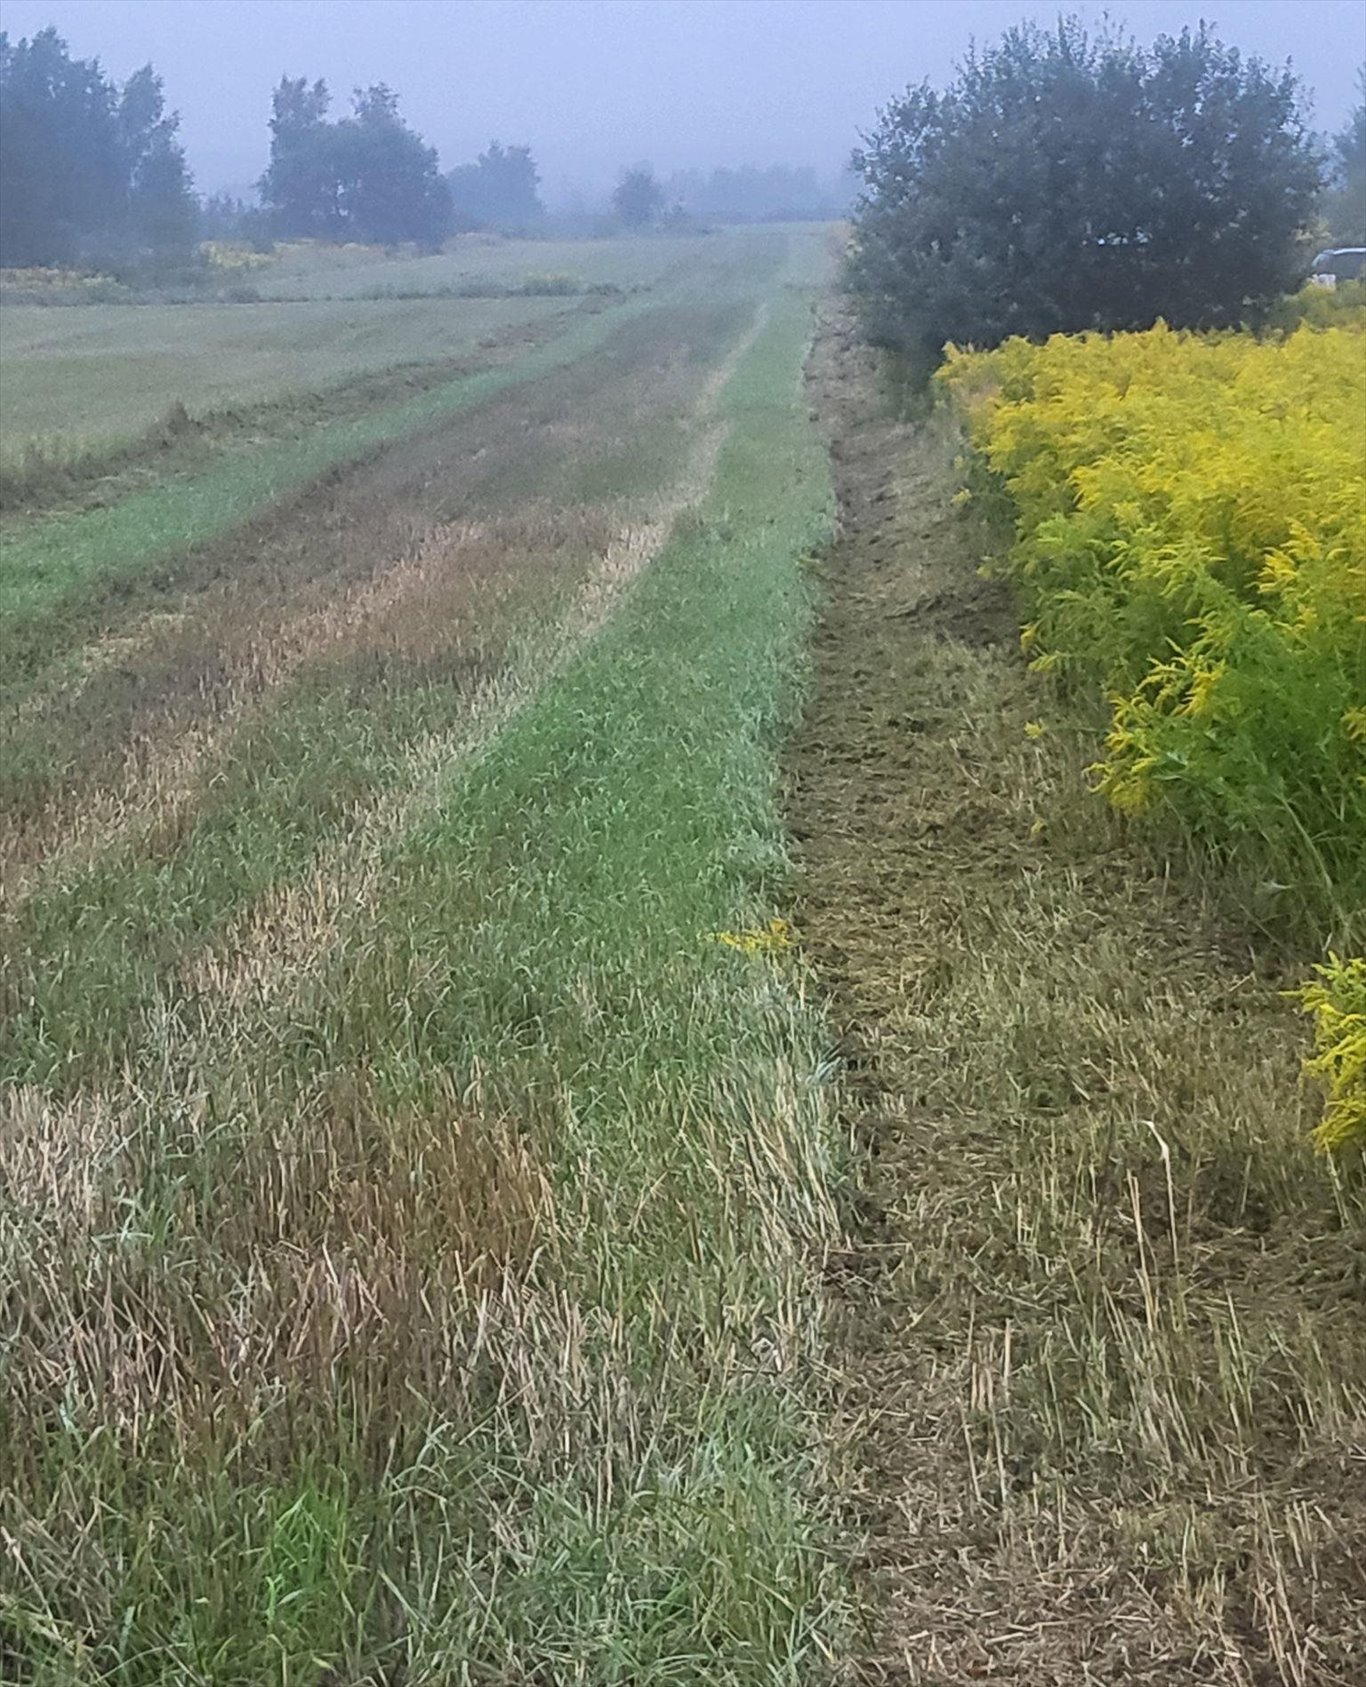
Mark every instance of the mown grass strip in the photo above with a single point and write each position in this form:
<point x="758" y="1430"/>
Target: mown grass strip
<point x="91" y="952"/>
<point x="69" y="554"/>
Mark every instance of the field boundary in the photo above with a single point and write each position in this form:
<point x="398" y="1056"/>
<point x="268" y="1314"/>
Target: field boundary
<point x="1100" y="1319"/>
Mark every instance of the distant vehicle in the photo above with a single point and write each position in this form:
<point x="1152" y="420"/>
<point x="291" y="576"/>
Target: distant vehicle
<point x="1338" y="263"/>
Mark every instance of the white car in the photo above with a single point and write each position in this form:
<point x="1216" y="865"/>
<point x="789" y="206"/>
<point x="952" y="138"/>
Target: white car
<point x="1338" y="263"/>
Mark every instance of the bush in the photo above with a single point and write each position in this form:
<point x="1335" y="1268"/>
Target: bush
<point x="1064" y="183"/>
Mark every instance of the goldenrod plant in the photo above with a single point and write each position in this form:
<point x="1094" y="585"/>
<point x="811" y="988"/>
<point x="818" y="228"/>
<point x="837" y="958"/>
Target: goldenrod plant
<point x="1190" y="534"/>
<point x="1337" y="1000"/>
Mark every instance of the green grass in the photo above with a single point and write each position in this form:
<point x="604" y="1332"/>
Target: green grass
<point x="100" y="376"/>
<point x="450" y="1309"/>
<point x="55" y="566"/>
<point x="58" y="562"/>
<point x="474" y="260"/>
<point x="97" y="378"/>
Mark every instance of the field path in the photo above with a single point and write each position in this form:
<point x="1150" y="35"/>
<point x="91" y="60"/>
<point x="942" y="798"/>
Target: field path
<point x="1101" y="1316"/>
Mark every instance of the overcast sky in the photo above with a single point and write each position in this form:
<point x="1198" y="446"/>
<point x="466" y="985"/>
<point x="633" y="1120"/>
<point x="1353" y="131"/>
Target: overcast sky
<point x="595" y="84"/>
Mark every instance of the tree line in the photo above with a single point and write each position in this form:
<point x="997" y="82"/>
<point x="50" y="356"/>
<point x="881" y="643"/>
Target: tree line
<point x="87" y="169"/>
<point x="94" y="174"/>
<point x="1060" y="181"/>
<point x="1065" y="181"/>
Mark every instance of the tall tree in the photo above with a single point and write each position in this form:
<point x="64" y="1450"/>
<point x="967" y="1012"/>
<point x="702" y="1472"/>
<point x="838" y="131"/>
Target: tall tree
<point x="300" y="188"/>
<point x="391" y="184"/>
<point x="366" y="177"/>
<point x="1064" y="182"/>
<point x="161" y="211"/>
<point x="499" y="190"/>
<point x="638" y="199"/>
<point x="88" y="173"/>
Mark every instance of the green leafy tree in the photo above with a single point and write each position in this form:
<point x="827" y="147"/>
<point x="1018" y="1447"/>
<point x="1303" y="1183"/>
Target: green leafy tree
<point x="638" y="199"/>
<point x="1065" y="182"/>
<point x="391" y="188"/>
<point x="161" y="212"/>
<point x="301" y="189"/>
<point x="1344" y="205"/>
<point x="89" y="173"/>
<point x="366" y="177"/>
<point x="499" y="190"/>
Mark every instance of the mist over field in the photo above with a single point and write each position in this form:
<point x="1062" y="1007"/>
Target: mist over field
<point x="681" y="84"/>
<point x="682" y="782"/>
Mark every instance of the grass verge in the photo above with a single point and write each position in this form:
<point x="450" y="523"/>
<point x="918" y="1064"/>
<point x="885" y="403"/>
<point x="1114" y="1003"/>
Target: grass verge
<point x="1104" y="1320"/>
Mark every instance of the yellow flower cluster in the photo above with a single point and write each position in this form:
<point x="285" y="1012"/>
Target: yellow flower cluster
<point x="38" y="278"/>
<point x="223" y="255"/>
<point x="1337" y="1000"/>
<point x="1190" y="520"/>
<point x="762" y="940"/>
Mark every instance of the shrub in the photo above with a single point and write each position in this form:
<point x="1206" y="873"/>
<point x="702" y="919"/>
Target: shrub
<point x="1065" y="181"/>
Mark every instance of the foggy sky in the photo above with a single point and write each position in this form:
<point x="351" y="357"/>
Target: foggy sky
<point x="597" y="84"/>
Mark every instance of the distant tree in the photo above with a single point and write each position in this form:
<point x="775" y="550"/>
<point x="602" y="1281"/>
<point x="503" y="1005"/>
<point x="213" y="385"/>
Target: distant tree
<point x="161" y="211"/>
<point x="88" y="173"/>
<point x="638" y="198"/>
<point x="366" y="177"/>
<point x="780" y="192"/>
<point x="301" y="190"/>
<point x="1344" y="204"/>
<point x="499" y="190"/>
<point x="391" y="188"/>
<point x="1063" y="182"/>
<point x="222" y="216"/>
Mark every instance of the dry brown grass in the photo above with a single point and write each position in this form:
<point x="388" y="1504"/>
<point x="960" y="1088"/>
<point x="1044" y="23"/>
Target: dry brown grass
<point x="1103" y="1326"/>
<point x="453" y="591"/>
<point x="345" y="1238"/>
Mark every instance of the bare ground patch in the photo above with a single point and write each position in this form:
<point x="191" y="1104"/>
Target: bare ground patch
<point x="1103" y="1321"/>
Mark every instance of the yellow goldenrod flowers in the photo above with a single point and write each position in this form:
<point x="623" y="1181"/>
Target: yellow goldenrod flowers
<point x="1337" y="1000"/>
<point x="1191" y="534"/>
<point x="771" y="939"/>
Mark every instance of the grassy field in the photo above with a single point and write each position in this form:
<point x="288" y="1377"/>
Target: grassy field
<point x="91" y="378"/>
<point x="411" y="1216"/>
<point x="452" y="1227"/>
<point x="100" y="375"/>
<point x="479" y="260"/>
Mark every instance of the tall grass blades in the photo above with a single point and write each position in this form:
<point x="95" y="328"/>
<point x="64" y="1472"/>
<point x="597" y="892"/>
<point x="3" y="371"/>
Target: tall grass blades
<point x="428" y="1291"/>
